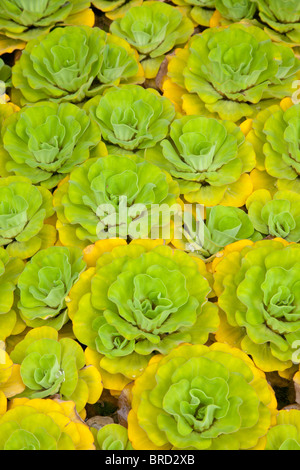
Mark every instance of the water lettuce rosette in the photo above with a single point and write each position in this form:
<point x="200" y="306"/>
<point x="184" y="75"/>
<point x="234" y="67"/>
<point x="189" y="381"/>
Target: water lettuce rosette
<point x="153" y="29"/>
<point x="201" y="11"/>
<point x="113" y="196"/>
<point x="50" y="365"/>
<point x="24" y="210"/>
<point x="221" y="227"/>
<point x="132" y="117"/>
<point x="235" y="10"/>
<point x="115" y="8"/>
<point x="43" y="424"/>
<point x="231" y="72"/>
<point x="45" y="141"/>
<point x="278" y="216"/>
<point x="10" y="270"/>
<point x="74" y="63"/>
<point x="275" y="136"/>
<point x="139" y="300"/>
<point x="119" y="64"/>
<point x="280" y="19"/>
<point x="22" y="20"/>
<point x="201" y="398"/>
<point x="209" y="159"/>
<point x="11" y="383"/>
<point x="46" y="282"/>
<point x="257" y="285"/>
<point x="112" y="437"/>
<point x="285" y="434"/>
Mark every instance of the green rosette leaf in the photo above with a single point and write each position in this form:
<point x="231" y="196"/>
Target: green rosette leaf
<point x="258" y="291"/>
<point x="278" y="216"/>
<point x="24" y="210"/>
<point x="153" y="29"/>
<point x="233" y="72"/>
<point x="46" y="141"/>
<point x="83" y="62"/>
<point x="132" y="117"/>
<point x="141" y="303"/>
<point x="46" y="282"/>
<point x="208" y="158"/>
<point x="223" y="226"/>
<point x="112" y="437"/>
<point x="53" y="366"/>
<point x="283" y="148"/>
<point x="25" y="20"/>
<point x="114" y="196"/>
<point x="201" y="398"/>
<point x="236" y="10"/>
<point x="280" y="19"/>
<point x="275" y="136"/>
<point x="285" y="434"/>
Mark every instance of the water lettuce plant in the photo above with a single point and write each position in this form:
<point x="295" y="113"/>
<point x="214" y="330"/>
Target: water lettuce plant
<point x="222" y="226"/>
<point x="280" y="19"/>
<point x="153" y="29"/>
<point x="132" y="117"/>
<point x="50" y="365"/>
<point x="83" y="62"/>
<point x="139" y="300"/>
<point x="231" y="72"/>
<point x="43" y="424"/>
<point x="209" y="159"/>
<point x="235" y="10"/>
<point x="46" y="282"/>
<point x="21" y="20"/>
<point x="285" y="434"/>
<point x="275" y="137"/>
<point x="112" y="196"/>
<point x="257" y="286"/>
<point x="24" y="210"/>
<point x="45" y="141"/>
<point x="10" y="270"/>
<point x="278" y="216"/>
<point x="201" y="398"/>
<point x="111" y="437"/>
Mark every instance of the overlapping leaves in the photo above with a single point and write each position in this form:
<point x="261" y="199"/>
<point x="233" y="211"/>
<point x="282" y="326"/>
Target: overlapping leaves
<point x="232" y="72"/>
<point x="46" y="141"/>
<point x="208" y="158"/>
<point x="82" y="62"/>
<point x="45" y="283"/>
<point x="200" y="398"/>
<point x="139" y="302"/>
